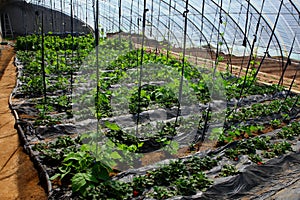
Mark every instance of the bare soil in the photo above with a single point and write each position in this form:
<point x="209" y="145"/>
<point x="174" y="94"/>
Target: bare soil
<point x="18" y="177"/>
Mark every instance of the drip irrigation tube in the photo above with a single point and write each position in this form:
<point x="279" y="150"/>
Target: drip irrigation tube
<point x="42" y="172"/>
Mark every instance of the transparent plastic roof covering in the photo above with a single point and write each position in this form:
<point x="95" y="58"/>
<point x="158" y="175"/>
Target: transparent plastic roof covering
<point x="269" y="26"/>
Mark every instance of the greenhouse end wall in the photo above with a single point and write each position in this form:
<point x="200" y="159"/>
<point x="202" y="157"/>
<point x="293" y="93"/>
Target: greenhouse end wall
<point x="21" y="13"/>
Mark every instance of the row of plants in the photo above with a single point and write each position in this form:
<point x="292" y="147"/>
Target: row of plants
<point x="256" y="119"/>
<point x="234" y="85"/>
<point x="58" y="58"/>
<point x="91" y="179"/>
<point x="152" y="93"/>
<point x="54" y="42"/>
<point x="268" y="149"/>
<point x="236" y="133"/>
<point x="150" y="143"/>
<point x="277" y="106"/>
<point x="62" y="59"/>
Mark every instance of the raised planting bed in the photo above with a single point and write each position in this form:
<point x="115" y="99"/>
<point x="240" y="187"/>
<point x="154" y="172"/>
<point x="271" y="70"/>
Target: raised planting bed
<point x="106" y="126"/>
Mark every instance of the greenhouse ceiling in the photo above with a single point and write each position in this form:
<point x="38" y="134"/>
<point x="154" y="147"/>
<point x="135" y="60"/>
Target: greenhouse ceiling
<point x="237" y="27"/>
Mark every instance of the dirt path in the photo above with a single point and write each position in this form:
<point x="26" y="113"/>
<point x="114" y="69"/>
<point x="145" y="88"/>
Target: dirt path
<point x="18" y="177"/>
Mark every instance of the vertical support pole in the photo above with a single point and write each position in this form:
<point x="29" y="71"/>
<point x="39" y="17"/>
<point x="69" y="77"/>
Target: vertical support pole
<point x="23" y="19"/>
<point x="1" y="34"/>
<point x="43" y="62"/>
<point x="288" y="62"/>
<point x="169" y="27"/>
<point x="78" y="21"/>
<point x="151" y="19"/>
<point x="97" y="69"/>
<point x="130" y="25"/>
<point x="61" y="16"/>
<point x="72" y="36"/>
<point x="252" y="48"/>
<point x="120" y="17"/>
<point x="54" y="17"/>
<point x="158" y="24"/>
<point x="141" y="63"/>
<point x="86" y="13"/>
<point x="71" y="18"/>
<point x="292" y="83"/>
<point x="202" y="16"/>
<point x="246" y="25"/>
<point x="218" y="40"/>
<point x="208" y="110"/>
<point x="270" y="40"/>
<point x="185" y="15"/>
<point x="97" y="55"/>
<point x="52" y="20"/>
<point x="120" y="14"/>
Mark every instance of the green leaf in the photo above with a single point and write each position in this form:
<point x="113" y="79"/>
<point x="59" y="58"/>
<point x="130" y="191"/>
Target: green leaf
<point x="78" y="181"/>
<point x="253" y="128"/>
<point x="74" y="156"/>
<point x="115" y="155"/>
<point x="112" y="126"/>
<point x="100" y="171"/>
<point x="47" y="70"/>
<point x="91" y="178"/>
<point x="64" y="171"/>
<point x="140" y="144"/>
<point x="55" y="177"/>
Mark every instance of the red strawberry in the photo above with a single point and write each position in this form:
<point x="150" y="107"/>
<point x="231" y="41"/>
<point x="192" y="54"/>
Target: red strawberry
<point x="236" y="158"/>
<point x="135" y="193"/>
<point x="259" y="163"/>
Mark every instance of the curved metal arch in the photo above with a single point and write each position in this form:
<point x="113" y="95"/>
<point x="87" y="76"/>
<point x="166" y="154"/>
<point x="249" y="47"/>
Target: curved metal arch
<point x="223" y="39"/>
<point x="289" y="4"/>
<point x="293" y="4"/>
<point x="155" y="26"/>
<point x="267" y="24"/>
<point x="270" y="28"/>
<point x="285" y="25"/>
<point x="297" y="20"/>
<point x="239" y="27"/>
<point x="129" y="22"/>
<point x="292" y="14"/>
<point x="174" y="22"/>
<point x="114" y="23"/>
<point x="188" y="20"/>
<point x="193" y="23"/>
<point x="215" y="28"/>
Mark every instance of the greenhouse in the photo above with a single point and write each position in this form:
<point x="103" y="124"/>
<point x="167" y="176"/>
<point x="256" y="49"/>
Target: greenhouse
<point x="149" y="99"/>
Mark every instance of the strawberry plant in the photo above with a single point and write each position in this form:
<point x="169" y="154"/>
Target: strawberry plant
<point x="255" y="158"/>
<point x="290" y="131"/>
<point x="228" y="170"/>
<point x="275" y="123"/>
<point x="281" y="148"/>
<point x="140" y="144"/>
<point x="161" y="192"/>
